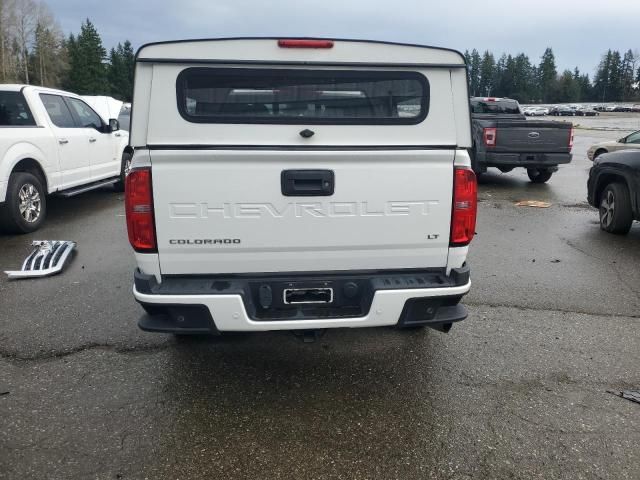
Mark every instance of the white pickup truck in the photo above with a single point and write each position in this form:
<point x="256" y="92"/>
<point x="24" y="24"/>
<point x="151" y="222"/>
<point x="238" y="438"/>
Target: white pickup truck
<point x="53" y="141"/>
<point x="299" y="184"/>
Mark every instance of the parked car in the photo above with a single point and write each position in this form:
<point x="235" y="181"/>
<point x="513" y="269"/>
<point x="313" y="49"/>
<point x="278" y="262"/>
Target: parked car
<point x="56" y="143"/>
<point x="610" y="108"/>
<point x="586" y="112"/>
<point x="636" y="108"/>
<point x="631" y="141"/>
<point x="614" y="189"/>
<point x="292" y="194"/>
<point x="562" y="111"/>
<point x="539" y="112"/>
<point x="503" y="138"/>
<point x="623" y="108"/>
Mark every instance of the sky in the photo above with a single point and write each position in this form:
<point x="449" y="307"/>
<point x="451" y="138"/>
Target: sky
<point x="579" y="32"/>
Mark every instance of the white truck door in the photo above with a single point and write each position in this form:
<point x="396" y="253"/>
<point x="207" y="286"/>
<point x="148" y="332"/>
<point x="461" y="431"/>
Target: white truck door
<point x="73" y="148"/>
<point x="102" y="146"/>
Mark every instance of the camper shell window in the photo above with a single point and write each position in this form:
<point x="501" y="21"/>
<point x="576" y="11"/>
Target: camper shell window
<point x="295" y="96"/>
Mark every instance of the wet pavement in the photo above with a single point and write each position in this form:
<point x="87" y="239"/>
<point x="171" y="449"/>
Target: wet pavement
<point x="519" y="390"/>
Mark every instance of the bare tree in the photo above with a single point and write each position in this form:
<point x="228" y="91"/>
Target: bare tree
<point x="48" y="49"/>
<point x="7" y="32"/>
<point x="26" y="12"/>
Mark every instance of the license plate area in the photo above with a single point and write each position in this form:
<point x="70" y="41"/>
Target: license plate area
<point x="333" y="295"/>
<point x="301" y="296"/>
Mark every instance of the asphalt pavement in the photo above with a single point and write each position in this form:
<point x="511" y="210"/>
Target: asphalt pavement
<point x="518" y="390"/>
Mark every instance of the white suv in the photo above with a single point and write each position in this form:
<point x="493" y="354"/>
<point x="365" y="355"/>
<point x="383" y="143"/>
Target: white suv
<point x="52" y="141"/>
<point x="299" y="184"/>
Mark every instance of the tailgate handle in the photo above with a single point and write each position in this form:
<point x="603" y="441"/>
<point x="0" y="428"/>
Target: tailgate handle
<point x="307" y="183"/>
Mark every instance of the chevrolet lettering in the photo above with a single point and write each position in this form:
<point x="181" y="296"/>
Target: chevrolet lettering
<point x="300" y="209"/>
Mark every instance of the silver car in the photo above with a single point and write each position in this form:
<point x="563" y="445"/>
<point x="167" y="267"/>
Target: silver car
<point x="631" y="141"/>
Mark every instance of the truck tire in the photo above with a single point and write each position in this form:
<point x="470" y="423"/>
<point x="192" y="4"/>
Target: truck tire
<point x="125" y="166"/>
<point x="25" y="206"/>
<point x="539" y="175"/>
<point x="615" y="209"/>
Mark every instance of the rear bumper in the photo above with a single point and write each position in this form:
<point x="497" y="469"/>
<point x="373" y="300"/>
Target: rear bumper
<point x="405" y="303"/>
<point x="491" y="159"/>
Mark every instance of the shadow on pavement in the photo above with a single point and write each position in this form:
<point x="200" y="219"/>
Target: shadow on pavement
<point x="262" y="402"/>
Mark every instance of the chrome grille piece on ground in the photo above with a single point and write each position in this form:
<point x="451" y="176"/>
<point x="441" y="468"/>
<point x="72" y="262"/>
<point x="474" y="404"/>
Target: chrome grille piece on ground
<point x="47" y="258"/>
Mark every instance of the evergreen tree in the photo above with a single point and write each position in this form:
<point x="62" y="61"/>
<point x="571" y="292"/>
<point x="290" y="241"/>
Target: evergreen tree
<point x="601" y="81"/>
<point x="474" y="72"/>
<point x="626" y="75"/>
<point x="129" y="60"/>
<point x="487" y="74"/>
<point x="568" y="89"/>
<point x="523" y="86"/>
<point x="499" y="81"/>
<point x="87" y="72"/>
<point x="615" y="77"/>
<point x="586" y="91"/>
<point x="120" y="71"/>
<point x="547" y="75"/>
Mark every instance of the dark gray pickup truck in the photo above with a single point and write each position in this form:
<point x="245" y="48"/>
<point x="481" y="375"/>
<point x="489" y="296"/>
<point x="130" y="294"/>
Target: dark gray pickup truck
<point x="505" y="139"/>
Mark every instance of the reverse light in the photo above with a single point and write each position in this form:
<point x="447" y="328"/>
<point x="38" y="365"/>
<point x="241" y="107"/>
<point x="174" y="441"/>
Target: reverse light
<point x="490" y="136"/>
<point x="465" y="207"/>
<point x="139" y="211"/>
<point x="303" y="43"/>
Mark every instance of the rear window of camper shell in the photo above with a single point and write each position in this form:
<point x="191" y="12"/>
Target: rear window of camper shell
<point x="297" y="96"/>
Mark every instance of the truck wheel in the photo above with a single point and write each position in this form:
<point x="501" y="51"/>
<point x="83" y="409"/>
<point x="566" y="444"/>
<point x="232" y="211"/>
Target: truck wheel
<point x="124" y="169"/>
<point x="615" y="209"/>
<point x="25" y="206"/>
<point x="539" y="175"/>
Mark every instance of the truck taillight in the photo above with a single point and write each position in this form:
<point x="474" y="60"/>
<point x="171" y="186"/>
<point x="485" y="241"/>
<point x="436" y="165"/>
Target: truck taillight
<point x="304" y="43"/>
<point x="465" y="206"/>
<point x="490" y="136"/>
<point x="139" y="211"/>
<point x="571" y="133"/>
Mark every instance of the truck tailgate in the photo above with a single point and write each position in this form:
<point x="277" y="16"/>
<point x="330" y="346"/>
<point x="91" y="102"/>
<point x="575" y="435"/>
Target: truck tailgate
<point x="524" y="136"/>
<point x="224" y="211"/>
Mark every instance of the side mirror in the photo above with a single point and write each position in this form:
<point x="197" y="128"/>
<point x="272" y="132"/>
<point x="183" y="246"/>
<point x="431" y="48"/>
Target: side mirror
<point x="114" y="125"/>
<point x="623" y="140"/>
